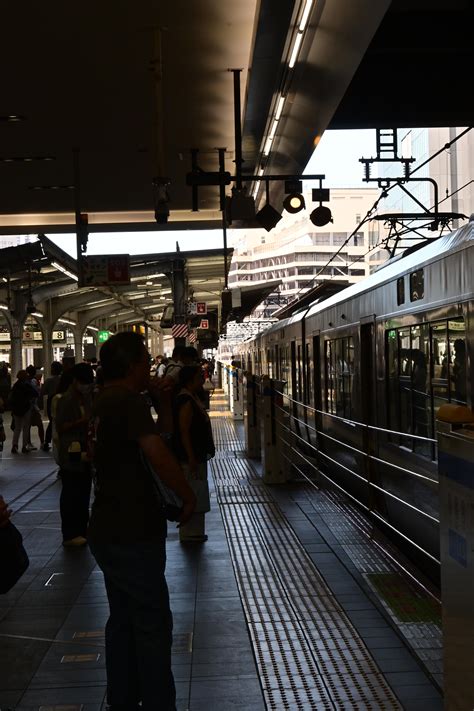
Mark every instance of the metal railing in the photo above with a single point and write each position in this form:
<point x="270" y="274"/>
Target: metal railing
<point x="310" y="453"/>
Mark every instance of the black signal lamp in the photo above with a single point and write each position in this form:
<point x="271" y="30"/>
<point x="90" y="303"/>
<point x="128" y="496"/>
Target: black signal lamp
<point x="268" y="217"/>
<point x="321" y="216"/>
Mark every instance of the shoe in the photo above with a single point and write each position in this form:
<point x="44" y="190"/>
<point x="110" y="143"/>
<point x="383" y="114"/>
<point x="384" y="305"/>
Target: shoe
<point x="30" y="447"/>
<point x="25" y="450"/>
<point x="75" y="542"/>
<point x="45" y="447"/>
<point x="14" y="450"/>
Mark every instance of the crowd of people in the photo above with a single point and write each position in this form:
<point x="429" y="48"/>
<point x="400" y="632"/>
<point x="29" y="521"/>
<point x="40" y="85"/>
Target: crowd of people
<point x="121" y="426"/>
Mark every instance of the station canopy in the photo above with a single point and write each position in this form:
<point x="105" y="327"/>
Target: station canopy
<point x="97" y="103"/>
<point x="45" y="279"/>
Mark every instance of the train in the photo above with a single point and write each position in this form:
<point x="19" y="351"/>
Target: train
<point x="363" y="374"/>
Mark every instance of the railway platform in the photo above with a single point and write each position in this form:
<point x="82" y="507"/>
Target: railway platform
<point x="291" y="603"/>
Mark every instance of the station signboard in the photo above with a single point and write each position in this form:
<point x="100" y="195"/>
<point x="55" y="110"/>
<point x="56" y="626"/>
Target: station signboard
<point x="105" y="270"/>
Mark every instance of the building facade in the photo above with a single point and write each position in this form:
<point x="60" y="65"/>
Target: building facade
<point x="297" y="253"/>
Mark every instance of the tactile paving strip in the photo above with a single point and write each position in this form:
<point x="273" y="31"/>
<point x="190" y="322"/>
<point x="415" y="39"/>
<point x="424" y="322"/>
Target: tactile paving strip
<point x="308" y="653"/>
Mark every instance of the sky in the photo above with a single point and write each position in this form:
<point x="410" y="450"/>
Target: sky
<point x="337" y="157"/>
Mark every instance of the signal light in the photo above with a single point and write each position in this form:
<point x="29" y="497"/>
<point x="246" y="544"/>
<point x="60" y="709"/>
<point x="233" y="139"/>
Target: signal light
<point x="294" y="203"/>
<point x="321" y="216"/>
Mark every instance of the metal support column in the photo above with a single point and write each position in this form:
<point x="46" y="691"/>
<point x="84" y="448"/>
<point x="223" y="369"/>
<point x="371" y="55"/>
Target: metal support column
<point x="251" y="422"/>
<point x="272" y="443"/>
<point x="456" y="499"/>
<point x="178" y="286"/>
<point x="237" y="394"/>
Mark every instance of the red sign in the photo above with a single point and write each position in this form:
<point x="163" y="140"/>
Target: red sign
<point x="204" y="323"/>
<point x="118" y="269"/>
<point x="201" y="309"/>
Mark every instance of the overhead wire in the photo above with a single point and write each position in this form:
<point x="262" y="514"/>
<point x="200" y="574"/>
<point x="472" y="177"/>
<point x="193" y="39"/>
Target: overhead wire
<point x="368" y="216"/>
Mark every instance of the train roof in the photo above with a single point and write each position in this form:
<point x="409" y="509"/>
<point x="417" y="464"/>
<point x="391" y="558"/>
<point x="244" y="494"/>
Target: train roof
<point x="437" y="249"/>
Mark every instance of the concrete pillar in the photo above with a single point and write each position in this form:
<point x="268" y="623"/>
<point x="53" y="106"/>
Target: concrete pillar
<point x="78" y="351"/>
<point x="47" y="354"/>
<point x="16" y="345"/>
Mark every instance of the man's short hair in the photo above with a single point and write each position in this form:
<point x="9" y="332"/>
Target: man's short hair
<point x="178" y="352"/>
<point x="83" y="373"/>
<point x="119" y="353"/>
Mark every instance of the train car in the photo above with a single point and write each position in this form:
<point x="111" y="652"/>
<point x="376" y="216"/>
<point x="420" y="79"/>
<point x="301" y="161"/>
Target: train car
<point x="367" y="370"/>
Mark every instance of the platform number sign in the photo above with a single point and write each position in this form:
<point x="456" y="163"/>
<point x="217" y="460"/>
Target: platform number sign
<point x="103" y="336"/>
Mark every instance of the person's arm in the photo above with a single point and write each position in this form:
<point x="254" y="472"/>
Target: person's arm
<point x="63" y="424"/>
<point x="5" y="512"/>
<point x="169" y="471"/>
<point x="184" y="422"/>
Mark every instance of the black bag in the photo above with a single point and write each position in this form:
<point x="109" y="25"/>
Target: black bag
<point x="171" y="504"/>
<point x="13" y="558"/>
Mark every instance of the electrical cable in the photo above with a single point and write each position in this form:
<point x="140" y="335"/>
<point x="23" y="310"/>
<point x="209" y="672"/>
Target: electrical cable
<point x="376" y="204"/>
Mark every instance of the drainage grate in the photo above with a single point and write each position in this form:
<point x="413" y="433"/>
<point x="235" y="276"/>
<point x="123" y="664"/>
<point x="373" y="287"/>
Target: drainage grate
<point x="308" y="653"/>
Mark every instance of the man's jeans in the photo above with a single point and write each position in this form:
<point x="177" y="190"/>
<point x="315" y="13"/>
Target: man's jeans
<point x="138" y="634"/>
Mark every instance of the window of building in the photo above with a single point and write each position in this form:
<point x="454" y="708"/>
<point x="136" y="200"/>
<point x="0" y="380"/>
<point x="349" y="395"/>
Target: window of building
<point x="358" y="239"/>
<point x="339" y="370"/>
<point x="339" y="238"/>
<point x="305" y="270"/>
<point x="358" y="272"/>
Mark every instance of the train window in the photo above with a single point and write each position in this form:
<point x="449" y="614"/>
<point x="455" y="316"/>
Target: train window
<point x="339" y="369"/>
<point x="417" y="285"/>
<point x="400" y="291"/>
<point x="426" y="367"/>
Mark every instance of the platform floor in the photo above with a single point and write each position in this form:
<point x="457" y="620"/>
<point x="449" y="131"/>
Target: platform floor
<point x="289" y="605"/>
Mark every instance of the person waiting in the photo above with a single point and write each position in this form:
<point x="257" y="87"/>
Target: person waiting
<point x="72" y="420"/>
<point x="127" y="531"/>
<point x="193" y="445"/>
<point x="21" y="399"/>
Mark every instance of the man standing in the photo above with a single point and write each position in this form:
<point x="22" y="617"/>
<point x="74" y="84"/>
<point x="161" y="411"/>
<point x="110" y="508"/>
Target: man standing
<point x="72" y="418"/>
<point x="127" y="531"/>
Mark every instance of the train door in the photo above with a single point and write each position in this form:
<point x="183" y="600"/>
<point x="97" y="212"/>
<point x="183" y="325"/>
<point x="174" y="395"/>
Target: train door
<point x="367" y="412"/>
<point x="317" y="386"/>
<point x="367" y="372"/>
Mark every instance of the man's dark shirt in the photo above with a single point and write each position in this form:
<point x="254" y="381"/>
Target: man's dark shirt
<point x="125" y="509"/>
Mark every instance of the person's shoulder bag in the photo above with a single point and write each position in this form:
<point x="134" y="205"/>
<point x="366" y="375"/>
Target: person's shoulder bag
<point x="13" y="557"/>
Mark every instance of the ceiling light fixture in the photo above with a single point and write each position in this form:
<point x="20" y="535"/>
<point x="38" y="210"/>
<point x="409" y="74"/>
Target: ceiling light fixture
<point x="12" y="118"/>
<point x="65" y="271"/>
<point x="51" y="187"/>
<point x="25" y="159"/>
<point x="279" y="109"/>
<point x="305" y="15"/>
<point x="67" y="321"/>
<point x="296" y="49"/>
